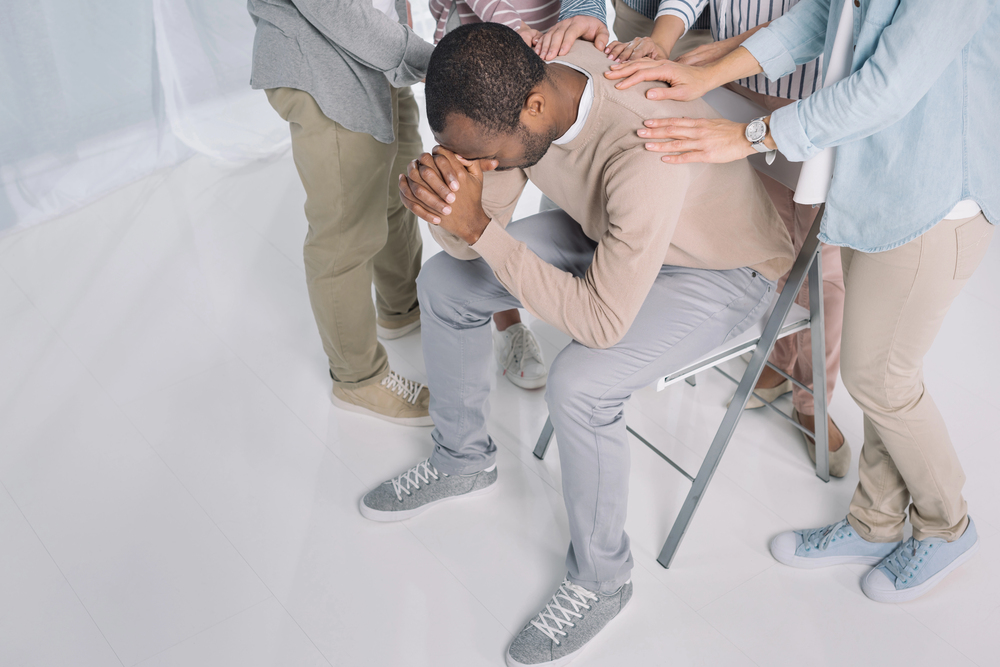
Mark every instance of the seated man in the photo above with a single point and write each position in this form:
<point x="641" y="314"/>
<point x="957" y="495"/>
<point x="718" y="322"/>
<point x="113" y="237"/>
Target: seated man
<point x="647" y="266"/>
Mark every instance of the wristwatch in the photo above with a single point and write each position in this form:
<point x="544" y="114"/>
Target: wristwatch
<point x="755" y="133"/>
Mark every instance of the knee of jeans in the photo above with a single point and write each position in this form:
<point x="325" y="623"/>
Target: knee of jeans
<point x="443" y="287"/>
<point x="569" y="389"/>
<point x="435" y="280"/>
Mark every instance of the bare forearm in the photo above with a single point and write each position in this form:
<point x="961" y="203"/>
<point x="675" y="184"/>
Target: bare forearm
<point x="666" y="31"/>
<point x="737" y="65"/>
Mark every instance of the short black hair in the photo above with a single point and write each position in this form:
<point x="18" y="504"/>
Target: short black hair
<point x="483" y="71"/>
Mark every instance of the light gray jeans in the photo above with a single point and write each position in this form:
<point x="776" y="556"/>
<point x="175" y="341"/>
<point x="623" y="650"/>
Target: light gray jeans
<point x="687" y="313"/>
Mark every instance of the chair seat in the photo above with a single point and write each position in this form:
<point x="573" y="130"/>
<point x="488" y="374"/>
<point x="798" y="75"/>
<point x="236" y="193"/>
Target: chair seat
<point x="796" y="320"/>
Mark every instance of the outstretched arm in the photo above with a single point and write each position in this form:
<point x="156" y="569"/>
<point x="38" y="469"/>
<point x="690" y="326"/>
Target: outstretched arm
<point x="371" y="37"/>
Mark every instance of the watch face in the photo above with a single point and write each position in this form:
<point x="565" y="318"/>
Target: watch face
<point x="756" y="131"/>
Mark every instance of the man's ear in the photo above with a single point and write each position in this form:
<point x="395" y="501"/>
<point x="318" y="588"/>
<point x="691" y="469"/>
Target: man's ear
<point x="534" y="106"/>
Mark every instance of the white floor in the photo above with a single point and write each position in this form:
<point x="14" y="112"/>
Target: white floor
<point x="178" y="490"/>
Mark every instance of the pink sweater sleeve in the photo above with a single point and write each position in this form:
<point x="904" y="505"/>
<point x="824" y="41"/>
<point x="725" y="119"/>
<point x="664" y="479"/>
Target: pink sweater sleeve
<point x="496" y="11"/>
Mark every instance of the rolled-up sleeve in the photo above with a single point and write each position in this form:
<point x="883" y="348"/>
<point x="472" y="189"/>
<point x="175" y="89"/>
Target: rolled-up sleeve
<point x="911" y="54"/>
<point x="792" y="39"/>
<point x="371" y="37"/>
<point x="687" y="11"/>
<point x="595" y="8"/>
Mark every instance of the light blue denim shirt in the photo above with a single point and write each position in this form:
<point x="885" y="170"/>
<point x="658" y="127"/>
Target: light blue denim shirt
<point x="917" y="122"/>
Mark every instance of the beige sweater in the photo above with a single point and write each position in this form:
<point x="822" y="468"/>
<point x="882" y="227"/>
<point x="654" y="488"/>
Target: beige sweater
<point x="643" y="213"/>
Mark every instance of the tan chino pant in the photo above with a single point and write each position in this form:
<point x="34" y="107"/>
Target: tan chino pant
<point x="896" y="302"/>
<point x="359" y="231"/>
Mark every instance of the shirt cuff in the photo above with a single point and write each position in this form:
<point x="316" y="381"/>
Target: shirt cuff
<point x="495" y="245"/>
<point x="790" y="135"/>
<point x="774" y="58"/>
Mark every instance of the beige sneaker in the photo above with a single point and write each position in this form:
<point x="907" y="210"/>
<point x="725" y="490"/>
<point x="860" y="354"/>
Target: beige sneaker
<point x="391" y="330"/>
<point x="395" y="399"/>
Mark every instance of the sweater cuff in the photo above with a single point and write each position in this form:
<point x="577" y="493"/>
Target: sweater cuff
<point x="774" y="58"/>
<point x="416" y="57"/>
<point x="790" y="135"/>
<point x="495" y="245"/>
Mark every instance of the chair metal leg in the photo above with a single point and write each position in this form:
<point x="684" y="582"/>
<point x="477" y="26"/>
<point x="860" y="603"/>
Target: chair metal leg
<point x="817" y="330"/>
<point x="769" y="337"/>
<point x="543" y="439"/>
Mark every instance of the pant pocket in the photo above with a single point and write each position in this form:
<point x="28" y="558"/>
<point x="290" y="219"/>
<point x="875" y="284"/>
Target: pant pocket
<point x="973" y="239"/>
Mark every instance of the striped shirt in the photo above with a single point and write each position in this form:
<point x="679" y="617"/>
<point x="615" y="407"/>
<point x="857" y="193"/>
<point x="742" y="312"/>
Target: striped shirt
<point x="729" y="18"/>
<point x="538" y="14"/>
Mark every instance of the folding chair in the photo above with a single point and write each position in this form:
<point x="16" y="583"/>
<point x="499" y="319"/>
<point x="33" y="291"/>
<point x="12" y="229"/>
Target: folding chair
<point x="784" y="318"/>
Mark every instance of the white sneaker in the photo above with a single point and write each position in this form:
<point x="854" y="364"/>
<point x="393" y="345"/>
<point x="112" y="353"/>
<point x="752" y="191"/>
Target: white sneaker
<point x="520" y="357"/>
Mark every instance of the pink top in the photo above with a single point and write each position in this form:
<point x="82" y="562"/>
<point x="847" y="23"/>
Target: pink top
<point x="538" y="14"/>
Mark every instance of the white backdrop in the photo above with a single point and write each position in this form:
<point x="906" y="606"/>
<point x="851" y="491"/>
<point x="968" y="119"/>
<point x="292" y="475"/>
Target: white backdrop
<point x="95" y="94"/>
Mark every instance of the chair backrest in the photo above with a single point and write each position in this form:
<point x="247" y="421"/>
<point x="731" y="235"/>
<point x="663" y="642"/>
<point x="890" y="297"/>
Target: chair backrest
<point x="810" y="179"/>
<point x="811" y="182"/>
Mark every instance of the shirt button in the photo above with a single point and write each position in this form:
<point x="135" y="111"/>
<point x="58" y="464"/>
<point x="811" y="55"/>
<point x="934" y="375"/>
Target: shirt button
<point x="857" y="3"/>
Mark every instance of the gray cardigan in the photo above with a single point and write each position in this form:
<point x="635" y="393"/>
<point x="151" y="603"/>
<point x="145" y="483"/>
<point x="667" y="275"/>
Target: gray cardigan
<point x="345" y="53"/>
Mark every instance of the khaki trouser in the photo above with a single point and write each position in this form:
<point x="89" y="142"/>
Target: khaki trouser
<point x="359" y="231"/>
<point x="630" y="24"/>
<point x="896" y="301"/>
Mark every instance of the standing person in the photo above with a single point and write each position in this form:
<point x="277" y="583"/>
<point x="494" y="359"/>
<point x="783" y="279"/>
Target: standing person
<point x="912" y="204"/>
<point x="517" y="351"/>
<point x="732" y="24"/>
<point x="338" y="73"/>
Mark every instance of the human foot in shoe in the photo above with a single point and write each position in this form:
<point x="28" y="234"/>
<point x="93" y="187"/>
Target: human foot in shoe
<point x="392" y="329"/>
<point x="835" y="544"/>
<point x="561" y="630"/>
<point x="840" y="451"/>
<point x="771" y="386"/>
<point x="420" y="488"/>
<point x="395" y="399"/>
<point x="918" y="566"/>
<point x="520" y="356"/>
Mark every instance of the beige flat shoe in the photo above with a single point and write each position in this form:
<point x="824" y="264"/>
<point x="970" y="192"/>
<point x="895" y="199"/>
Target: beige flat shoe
<point x="840" y="460"/>
<point x="772" y="395"/>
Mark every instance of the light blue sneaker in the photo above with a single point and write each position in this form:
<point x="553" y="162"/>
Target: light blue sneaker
<point x="917" y="566"/>
<point x="835" y="544"/>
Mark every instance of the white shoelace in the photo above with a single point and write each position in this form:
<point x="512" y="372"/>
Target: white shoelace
<point x="559" y="615"/>
<point x="522" y="345"/>
<point x="412" y="478"/>
<point x="409" y="390"/>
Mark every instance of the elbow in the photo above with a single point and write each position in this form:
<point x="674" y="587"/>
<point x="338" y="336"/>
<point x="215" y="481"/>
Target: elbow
<point x="606" y="337"/>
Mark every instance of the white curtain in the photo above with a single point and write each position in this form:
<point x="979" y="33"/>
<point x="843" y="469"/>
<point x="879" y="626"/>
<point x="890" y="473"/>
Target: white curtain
<point x="95" y="94"/>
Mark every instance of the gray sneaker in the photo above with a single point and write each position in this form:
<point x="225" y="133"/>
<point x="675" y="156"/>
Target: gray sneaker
<point x="917" y="566"/>
<point x="835" y="544"/>
<point x="562" y="629"/>
<point x="420" y="488"/>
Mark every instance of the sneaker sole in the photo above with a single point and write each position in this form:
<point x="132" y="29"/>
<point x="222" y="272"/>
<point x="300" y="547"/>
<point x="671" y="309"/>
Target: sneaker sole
<point x="908" y="594"/>
<point x="403" y="515"/>
<point x="827" y="561"/>
<point x="386" y="333"/>
<point x="404" y="421"/>
<point x="527" y="383"/>
<point x="566" y="659"/>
